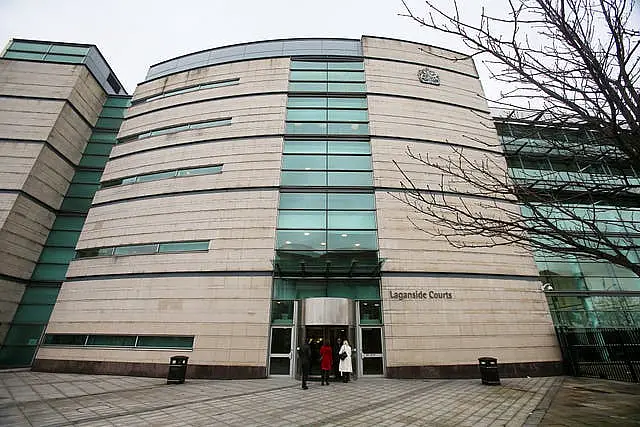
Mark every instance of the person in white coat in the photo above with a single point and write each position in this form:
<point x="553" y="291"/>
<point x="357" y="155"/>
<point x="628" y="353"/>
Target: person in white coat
<point x="345" y="367"/>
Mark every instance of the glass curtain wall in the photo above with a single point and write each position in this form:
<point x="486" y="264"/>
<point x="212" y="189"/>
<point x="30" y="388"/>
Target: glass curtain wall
<point x="326" y="238"/>
<point x="32" y="315"/>
<point x="586" y="293"/>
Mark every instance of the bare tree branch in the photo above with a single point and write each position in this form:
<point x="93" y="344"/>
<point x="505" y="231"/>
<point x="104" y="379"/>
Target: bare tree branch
<point x="570" y="126"/>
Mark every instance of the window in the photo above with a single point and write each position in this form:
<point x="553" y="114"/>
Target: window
<point x="321" y="65"/>
<point x="151" y="248"/>
<point x="130" y="341"/>
<point x="326" y="221"/>
<point x="113" y="82"/>
<point x="180" y="91"/>
<point x="205" y="170"/>
<point x="180" y="128"/>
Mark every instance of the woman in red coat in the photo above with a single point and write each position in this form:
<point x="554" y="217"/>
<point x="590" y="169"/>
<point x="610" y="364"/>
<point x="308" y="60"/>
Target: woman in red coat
<point x="326" y="361"/>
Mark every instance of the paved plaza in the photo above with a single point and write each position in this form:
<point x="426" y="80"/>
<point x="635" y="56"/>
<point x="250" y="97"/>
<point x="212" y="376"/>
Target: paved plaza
<point x="46" y="399"/>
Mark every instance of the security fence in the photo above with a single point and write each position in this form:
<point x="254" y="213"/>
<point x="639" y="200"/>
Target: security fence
<point x="607" y="353"/>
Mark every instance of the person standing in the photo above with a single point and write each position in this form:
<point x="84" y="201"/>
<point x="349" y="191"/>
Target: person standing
<point x="326" y="361"/>
<point x="345" y="361"/>
<point x="304" y="355"/>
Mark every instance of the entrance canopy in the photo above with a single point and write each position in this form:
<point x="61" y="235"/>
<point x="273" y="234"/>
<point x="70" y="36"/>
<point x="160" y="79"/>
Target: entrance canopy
<point x="309" y="264"/>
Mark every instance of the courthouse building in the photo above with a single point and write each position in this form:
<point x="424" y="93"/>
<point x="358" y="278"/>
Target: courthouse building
<point x="252" y="200"/>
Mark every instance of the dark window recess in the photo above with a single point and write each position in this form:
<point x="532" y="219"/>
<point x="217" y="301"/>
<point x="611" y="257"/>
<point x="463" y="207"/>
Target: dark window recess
<point x="113" y="83"/>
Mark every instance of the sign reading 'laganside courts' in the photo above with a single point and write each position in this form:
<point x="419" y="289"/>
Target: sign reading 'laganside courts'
<point x="404" y="295"/>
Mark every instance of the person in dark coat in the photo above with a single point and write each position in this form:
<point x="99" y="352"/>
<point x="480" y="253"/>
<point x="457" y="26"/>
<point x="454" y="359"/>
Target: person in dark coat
<point x="326" y="361"/>
<point x="304" y="354"/>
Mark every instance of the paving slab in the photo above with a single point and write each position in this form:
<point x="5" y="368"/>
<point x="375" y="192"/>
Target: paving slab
<point x="42" y="399"/>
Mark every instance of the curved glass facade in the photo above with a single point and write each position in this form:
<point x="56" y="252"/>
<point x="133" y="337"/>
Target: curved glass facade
<point x="257" y="50"/>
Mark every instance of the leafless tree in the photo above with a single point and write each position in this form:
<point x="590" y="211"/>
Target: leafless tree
<point x="571" y="71"/>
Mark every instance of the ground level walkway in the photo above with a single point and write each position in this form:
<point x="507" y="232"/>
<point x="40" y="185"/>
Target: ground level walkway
<point x="43" y="399"/>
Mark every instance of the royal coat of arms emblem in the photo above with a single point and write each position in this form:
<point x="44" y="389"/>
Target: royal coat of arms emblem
<point x="428" y="76"/>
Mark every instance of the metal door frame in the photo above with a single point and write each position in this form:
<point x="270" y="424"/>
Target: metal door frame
<point x="363" y="355"/>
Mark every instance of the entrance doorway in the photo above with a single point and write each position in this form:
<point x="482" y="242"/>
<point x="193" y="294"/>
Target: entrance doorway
<point x="334" y="335"/>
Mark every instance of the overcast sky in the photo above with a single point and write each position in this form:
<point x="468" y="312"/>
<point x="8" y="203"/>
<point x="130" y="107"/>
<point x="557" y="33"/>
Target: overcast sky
<point x="134" y="34"/>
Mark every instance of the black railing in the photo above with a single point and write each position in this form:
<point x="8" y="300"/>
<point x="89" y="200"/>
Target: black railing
<point x="607" y="353"/>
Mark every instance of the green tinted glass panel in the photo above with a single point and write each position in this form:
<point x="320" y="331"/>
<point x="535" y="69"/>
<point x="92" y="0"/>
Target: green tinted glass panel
<point x="304" y="178"/>
<point x="136" y="249"/>
<point x="349" y="163"/>
<point x="307" y="128"/>
<point x="346" y="179"/>
<point x="68" y="223"/>
<point x="40" y="295"/>
<point x="165" y="342"/>
<point x="347" y="87"/>
<point x="112" y="112"/>
<point x="301" y="240"/>
<point x="219" y="84"/>
<point x="346" y="76"/>
<point x="305" y="146"/>
<point x="308" y="65"/>
<point x="30" y="47"/>
<point x="96" y="149"/>
<point x="348" y="128"/>
<point x="24" y="55"/>
<point x="112" y="340"/>
<point x="282" y="312"/>
<point x="303" y="201"/>
<point x="57" y="255"/>
<point x="93" y="252"/>
<point x="356" y="220"/>
<point x="112" y="183"/>
<point x="64" y="58"/>
<point x="302" y="219"/>
<point x="107" y="123"/>
<point x="304" y="162"/>
<point x="32" y="314"/>
<point x="82" y="190"/>
<point x="307" y="115"/>
<point x="352" y="240"/>
<point x="347" y="115"/>
<point x="308" y="76"/>
<point x="69" y="50"/>
<point x="307" y="87"/>
<point x="214" y="123"/>
<point x="87" y="177"/>
<point x="24" y="335"/>
<point x="49" y="272"/>
<point x="347" y="103"/>
<point x="299" y="102"/>
<point x="64" y="339"/>
<point x="90" y="161"/>
<point x="106" y="137"/>
<point x="349" y="147"/>
<point x="156" y="176"/>
<point x="75" y="204"/>
<point x="113" y="101"/>
<point x="184" y="246"/>
<point x="63" y="238"/>
<point x="209" y="170"/>
<point x="346" y="201"/>
<point x="345" y="65"/>
<point x="17" y="356"/>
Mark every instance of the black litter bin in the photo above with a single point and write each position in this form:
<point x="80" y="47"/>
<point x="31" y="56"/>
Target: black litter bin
<point x="489" y="370"/>
<point x="177" y="369"/>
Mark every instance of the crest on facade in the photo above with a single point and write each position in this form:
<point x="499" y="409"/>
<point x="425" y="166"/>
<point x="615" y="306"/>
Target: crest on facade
<point x="428" y="76"/>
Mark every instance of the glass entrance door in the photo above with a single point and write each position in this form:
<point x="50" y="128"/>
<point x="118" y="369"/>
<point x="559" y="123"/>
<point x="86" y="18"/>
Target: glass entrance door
<point x="315" y="336"/>
<point x="371" y="354"/>
<point x="281" y="354"/>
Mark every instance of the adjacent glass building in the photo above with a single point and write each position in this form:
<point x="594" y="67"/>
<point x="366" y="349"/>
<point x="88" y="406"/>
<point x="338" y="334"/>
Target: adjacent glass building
<point x="251" y="202"/>
<point x="595" y="304"/>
